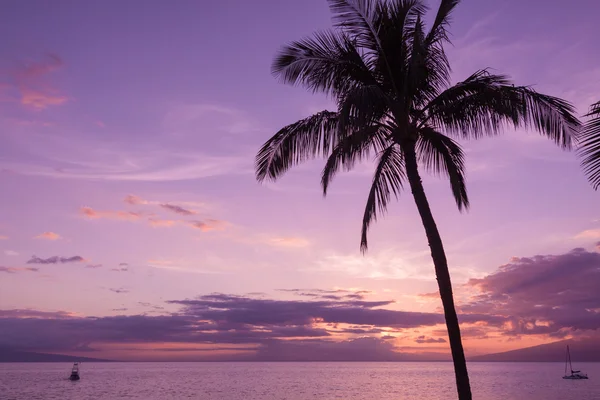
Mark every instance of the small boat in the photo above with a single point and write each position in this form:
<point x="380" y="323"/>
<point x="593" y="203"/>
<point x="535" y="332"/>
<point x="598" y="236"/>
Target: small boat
<point x="75" y="372"/>
<point x="575" y="375"/>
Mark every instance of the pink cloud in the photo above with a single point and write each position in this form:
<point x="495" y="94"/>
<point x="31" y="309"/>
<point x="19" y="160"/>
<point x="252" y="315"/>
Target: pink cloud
<point x="90" y="213"/>
<point x="288" y="242"/>
<point x="161" y="222"/>
<point x="49" y="236"/>
<point x="208" y="225"/>
<point x="13" y="270"/>
<point x="2" y="237"/>
<point x="134" y="200"/>
<point x="31" y="83"/>
<point x="178" y="209"/>
<point x="589" y="234"/>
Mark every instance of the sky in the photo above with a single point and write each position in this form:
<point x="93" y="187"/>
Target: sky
<point x="132" y="226"/>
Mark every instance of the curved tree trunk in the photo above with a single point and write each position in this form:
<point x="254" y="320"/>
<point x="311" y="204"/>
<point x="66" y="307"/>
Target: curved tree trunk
<point x="441" y="272"/>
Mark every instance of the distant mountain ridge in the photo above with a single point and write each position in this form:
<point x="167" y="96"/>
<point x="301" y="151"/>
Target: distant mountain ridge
<point x="8" y="355"/>
<point x="586" y="350"/>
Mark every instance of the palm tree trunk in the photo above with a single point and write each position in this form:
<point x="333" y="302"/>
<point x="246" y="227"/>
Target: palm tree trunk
<point x="441" y="272"/>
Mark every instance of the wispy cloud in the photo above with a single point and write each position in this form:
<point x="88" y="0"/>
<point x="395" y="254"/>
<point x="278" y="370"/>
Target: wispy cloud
<point x="48" y="236"/>
<point x="156" y="222"/>
<point x="208" y="225"/>
<point x="11" y="253"/>
<point x="388" y="264"/>
<point x="205" y="225"/>
<point x="134" y="200"/>
<point x="94" y="266"/>
<point x="3" y="237"/>
<point x="178" y="209"/>
<point x="55" y="260"/>
<point x="187" y="119"/>
<point x="425" y="339"/>
<point x="32" y="84"/>
<point x="93" y="161"/>
<point x="589" y="234"/>
<point x="119" y="290"/>
<point x="14" y="270"/>
<point x="90" y="213"/>
<point x="293" y="242"/>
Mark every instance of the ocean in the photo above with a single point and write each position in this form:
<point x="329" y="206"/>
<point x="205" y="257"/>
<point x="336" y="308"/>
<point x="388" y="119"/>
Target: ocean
<point x="293" y="381"/>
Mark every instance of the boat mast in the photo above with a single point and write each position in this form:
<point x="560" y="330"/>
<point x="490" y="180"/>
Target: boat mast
<point x="569" y="358"/>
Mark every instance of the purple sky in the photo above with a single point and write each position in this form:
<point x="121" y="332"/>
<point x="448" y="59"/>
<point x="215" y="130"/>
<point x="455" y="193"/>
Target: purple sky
<point x="127" y="139"/>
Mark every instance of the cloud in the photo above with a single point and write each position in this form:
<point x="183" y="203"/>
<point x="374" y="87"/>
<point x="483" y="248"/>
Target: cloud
<point x="277" y="329"/>
<point x="13" y="270"/>
<point x="208" y="225"/>
<point x="90" y="213"/>
<point x="29" y="313"/>
<point x="334" y="294"/>
<point x="55" y="260"/>
<point x="48" y="236"/>
<point x="94" y="266"/>
<point x="120" y="269"/>
<point x="293" y="242"/>
<point x="388" y="264"/>
<point x="425" y="339"/>
<point x="2" y="237"/>
<point x="178" y="209"/>
<point x="189" y="119"/>
<point x="555" y="295"/>
<point x="123" y="264"/>
<point x="589" y="234"/>
<point x="119" y="309"/>
<point x="155" y="222"/>
<point x="11" y="253"/>
<point x="134" y="200"/>
<point x="31" y="83"/>
<point x="94" y="161"/>
<point x="430" y="295"/>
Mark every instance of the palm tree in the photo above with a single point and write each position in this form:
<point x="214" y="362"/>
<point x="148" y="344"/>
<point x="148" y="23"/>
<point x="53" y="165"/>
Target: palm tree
<point x="589" y="148"/>
<point x="391" y="81"/>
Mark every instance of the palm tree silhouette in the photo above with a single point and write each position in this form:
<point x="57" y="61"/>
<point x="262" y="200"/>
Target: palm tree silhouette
<point x="589" y="148"/>
<point x="391" y="81"/>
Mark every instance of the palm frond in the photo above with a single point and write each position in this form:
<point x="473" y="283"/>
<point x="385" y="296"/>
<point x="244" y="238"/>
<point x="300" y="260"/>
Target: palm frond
<point x="363" y="22"/>
<point x="443" y="156"/>
<point x="387" y="180"/>
<point x="306" y="139"/>
<point x="549" y="115"/>
<point x="396" y="24"/>
<point x="484" y="103"/>
<point x="362" y="106"/>
<point x="438" y="32"/>
<point x="326" y="62"/>
<point x="357" y="18"/>
<point x="589" y="147"/>
<point x="429" y="71"/>
<point x="352" y="149"/>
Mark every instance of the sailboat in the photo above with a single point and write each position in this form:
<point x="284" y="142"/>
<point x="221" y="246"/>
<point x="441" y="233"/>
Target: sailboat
<point x="574" y="374"/>
<point x="75" y="372"/>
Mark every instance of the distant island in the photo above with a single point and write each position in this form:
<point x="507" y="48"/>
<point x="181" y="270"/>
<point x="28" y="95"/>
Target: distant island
<point x="587" y="350"/>
<point x="8" y="355"/>
<point x="582" y="350"/>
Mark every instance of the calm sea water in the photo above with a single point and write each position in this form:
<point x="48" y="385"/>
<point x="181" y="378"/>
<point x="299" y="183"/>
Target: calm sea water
<point x="293" y="381"/>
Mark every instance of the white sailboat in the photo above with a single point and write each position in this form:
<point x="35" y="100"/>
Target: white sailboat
<point x="574" y="374"/>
